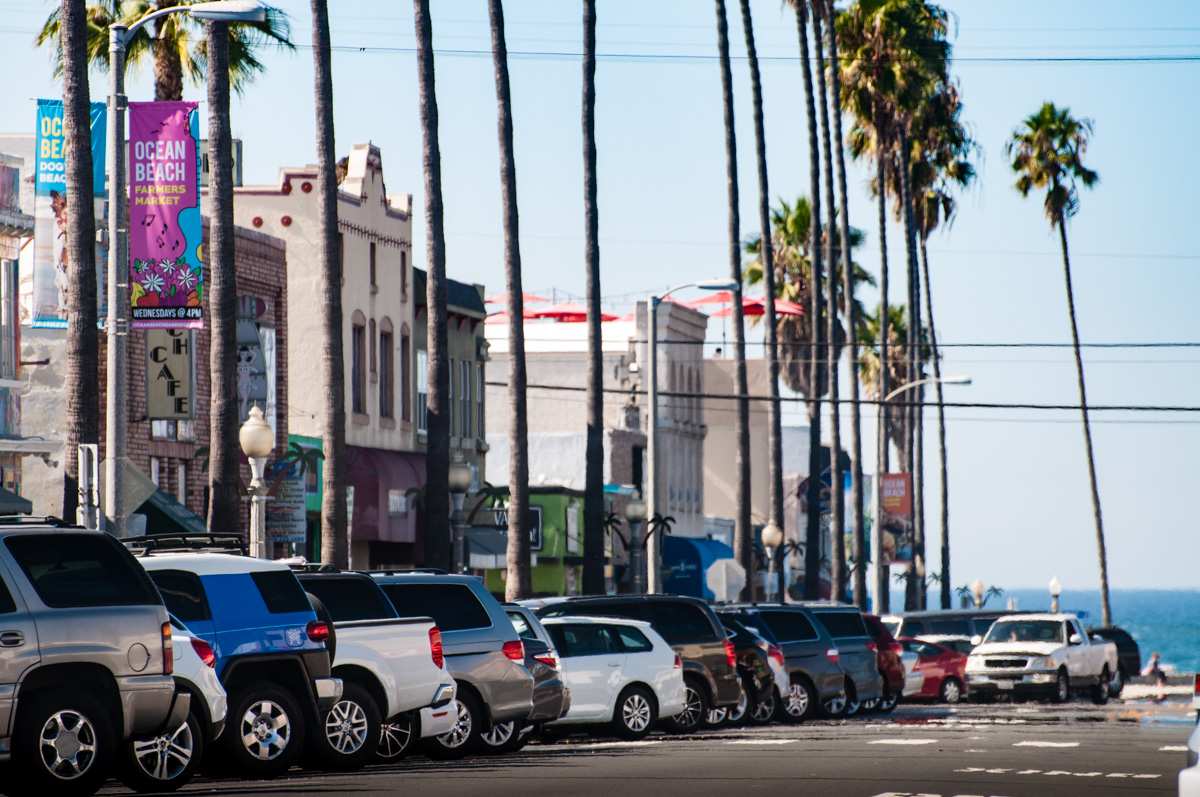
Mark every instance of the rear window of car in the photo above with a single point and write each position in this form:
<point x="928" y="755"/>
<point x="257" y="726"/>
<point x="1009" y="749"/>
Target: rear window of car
<point x="453" y="607"/>
<point x="958" y="626"/>
<point x="843" y="625"/>
<point x="632" y="640"/>
<point x="522" y="626"/>
<point x="681" y="623"/>
<point x="71" y="571"/>
<point x="7" y="604"/>
<point x="350" y="599"/>
<point x="634" y="611"/>
<point x="281" y="591"/>
<point x="789" y="626"/>
<point x="584" y="639"/>
<point x="183" y="594"/>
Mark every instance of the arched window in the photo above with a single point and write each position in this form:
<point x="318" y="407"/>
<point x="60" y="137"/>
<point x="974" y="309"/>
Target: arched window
<point x="387" y="370"/>
<point x="405" y="374"/>
<point x="358" y="363"/>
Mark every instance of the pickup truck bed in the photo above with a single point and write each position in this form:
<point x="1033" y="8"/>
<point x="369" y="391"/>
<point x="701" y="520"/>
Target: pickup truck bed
<point x="398" y="654"/>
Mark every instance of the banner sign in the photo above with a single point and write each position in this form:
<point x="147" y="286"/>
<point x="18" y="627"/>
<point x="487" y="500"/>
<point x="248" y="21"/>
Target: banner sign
<point x="166" y="278"/>
<point x="169" y="374"/>
<point x="50" y="283"/>
<point x="895" y="515"/>
<point x="286" y="513"/>
<point x="533" y="521"/>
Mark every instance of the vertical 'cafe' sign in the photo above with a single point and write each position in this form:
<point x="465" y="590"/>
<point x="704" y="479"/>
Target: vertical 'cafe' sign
<point x="166" y="276"/>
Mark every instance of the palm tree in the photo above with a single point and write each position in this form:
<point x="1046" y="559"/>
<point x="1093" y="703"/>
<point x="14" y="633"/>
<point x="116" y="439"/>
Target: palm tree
<point x="593" y="495"/>
<point x="224" y="511"/>
<point x="1047" y="153"/>
<point x="518" y="584"/>
<point x="774" y="431"/>
<point x="177" y="44"/>
<point x="333" y="367"/>
<point x="437" y="457"/>
<point x="743" y="542"/>
<point x="83" y="344"/>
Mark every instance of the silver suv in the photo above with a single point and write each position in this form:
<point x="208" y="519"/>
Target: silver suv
<point x="85" y="657"/>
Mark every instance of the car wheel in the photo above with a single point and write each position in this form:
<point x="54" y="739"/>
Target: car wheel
<point x="165" y="762"/>
<point x="715" y="717"/>
<point x="634" y="714"/>
<point x="396" y="738"/>
<point x="887" y="702"/>
<point x="1117" y="685"/>
<point x="349" y="735"/>
<point x="951" y="691"/>
<point x="835" y="707"/>
<point x="853" y="704"/>
<point x="502" y="737"/>
<point x="265" y="730"/>
<point x="463" y="738"/>
<point x="764" y="710"/>
<point x="695" y="708"/>
<point x="1100" y="690"/>
<point x="63" y="744"/>
<point x="1062" y="688"/>
<point x="737" y="713"/>
<point x="800" y="703"/>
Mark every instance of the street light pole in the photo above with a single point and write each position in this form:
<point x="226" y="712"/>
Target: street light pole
<point x="117" y="323"/>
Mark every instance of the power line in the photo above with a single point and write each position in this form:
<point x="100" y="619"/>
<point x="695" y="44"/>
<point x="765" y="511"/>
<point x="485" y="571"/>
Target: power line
<point x="1186" y="344"/>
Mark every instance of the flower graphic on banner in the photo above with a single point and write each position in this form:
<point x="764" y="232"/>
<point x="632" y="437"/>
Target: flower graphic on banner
<point x="153" y="283"/>
<point x="167" y="266"/>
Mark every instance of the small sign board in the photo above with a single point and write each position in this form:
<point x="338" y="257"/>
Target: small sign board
<point x="286" y="512"/>
<point x="169" y="374"/>
<point x="535" y="525"/>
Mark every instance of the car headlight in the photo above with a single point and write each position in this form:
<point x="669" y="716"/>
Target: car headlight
<point x="1042" y="663"/>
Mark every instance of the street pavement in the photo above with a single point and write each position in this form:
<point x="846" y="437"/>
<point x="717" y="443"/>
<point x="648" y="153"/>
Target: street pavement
<point x="983" y="751"/>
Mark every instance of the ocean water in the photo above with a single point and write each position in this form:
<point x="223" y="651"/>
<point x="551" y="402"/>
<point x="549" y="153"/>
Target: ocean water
<point x="1167" y="621"/>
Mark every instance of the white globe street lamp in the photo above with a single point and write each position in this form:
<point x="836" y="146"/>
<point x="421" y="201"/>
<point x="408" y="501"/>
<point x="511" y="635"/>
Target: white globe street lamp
<point x="772" y="538"/>
<point x="257" y="440"/>
<point x="1055" y="592"/>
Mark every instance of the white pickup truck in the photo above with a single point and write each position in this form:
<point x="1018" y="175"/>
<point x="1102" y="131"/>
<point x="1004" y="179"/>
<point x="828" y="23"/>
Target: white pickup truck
<point x="1040" y="655"/>
<point x="392" y="669"/>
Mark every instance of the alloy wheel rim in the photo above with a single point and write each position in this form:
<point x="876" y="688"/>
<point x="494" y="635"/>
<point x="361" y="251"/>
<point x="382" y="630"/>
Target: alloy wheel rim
<point x="739" y="711"/>
<point x="692" y="706"/>
<point x="798" y="700"/>
<point x="951" y="692"/>
<point x="394" y="738"/>
<point x="266" y="730"/>
<point x="67" y="744"/>
<point x="716" y="716"/>
<point x="836" y="705"/>
<point x="852" y="707"/>
<point x="168" y="756"/>
<point x="346" y="727"/>
<point x="457" y="736"/>
<point x="499" y="734"/>
<point x="635" y="713"/>
<point x="765" y="708"/>
<point x="888" y="701"/>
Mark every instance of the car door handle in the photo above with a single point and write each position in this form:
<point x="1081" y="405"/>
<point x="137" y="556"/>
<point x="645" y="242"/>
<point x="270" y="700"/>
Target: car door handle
<point x="614" y="664"/>
<point x="11" y="639"/>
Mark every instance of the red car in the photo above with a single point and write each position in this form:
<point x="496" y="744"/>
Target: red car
<point x="887" y="653"/>
<point x="944" y="670"/>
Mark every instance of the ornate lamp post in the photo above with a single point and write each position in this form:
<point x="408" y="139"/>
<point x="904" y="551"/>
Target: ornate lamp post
<point x="772" y="538"/>
<point x="1055" y="592"/>
<point x="258" y="441"/>
<point x="635" y="515"/>
<point x="460" y="482"/>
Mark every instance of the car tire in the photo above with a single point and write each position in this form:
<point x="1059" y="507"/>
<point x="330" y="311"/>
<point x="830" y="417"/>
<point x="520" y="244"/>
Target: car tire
<point x="348" y="735"/>
<point x="80" y="721"/>
<point x="765" y="710"/>
<point x="887" y="701"/>
<point x="164" y="763"/>
<point x="265" y="730"/>
<point x="853" y="704"/>
<point x="738" y="713"/>
<point x="951" y="692"/>
<point x="634" y="714"/>
<point x="695" y="709"/>
<point x="800" y="703"/>
<point x="835" y="707"/>
<point x="1100" y="690"/>
<point x="1117" y="685"/>
<point x="502" y="737"/>
<point x="1062" y="688"/>
<point x="396" y="738"/>
<point x="463" y="739"/>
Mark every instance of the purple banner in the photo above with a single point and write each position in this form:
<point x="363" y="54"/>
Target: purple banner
<point x="166" y="277"/>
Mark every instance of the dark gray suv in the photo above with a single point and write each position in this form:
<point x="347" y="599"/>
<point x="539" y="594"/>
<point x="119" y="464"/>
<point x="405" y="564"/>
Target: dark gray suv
<point x="857" y="654"/>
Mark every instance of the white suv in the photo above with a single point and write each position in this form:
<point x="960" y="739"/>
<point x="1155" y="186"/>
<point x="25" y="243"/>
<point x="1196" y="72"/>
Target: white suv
<point x="619" y="671"/>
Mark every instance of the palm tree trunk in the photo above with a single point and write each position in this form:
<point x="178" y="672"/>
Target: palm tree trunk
<point x="83" y="343"/>
<point x="743" y="543"/>
<point x="856" y="495"/>
<point x="518" y="585"/>
<point x="774" y="430"/>
<point x="1105" y="604"/>
<point x="437" y="454"/>
<point x="812" y="534"/>
<point x="168" y="68"/>
<point x="593" y="495"/>
<point x="224" y="512"/>
<point x="333" y="367"/>
<point x="944" y="576"/>
<point x="880" y="587"/>
<point x="912" y="411"/>
<point x="837" y="567"/>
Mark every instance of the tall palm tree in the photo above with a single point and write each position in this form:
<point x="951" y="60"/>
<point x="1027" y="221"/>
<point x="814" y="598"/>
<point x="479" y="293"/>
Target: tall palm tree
<point x="329" y="262"/>
<point x="83" y="344"/>
<point x="743" y="543"/>
<point x="176" y="44"/>
<point x="518" y="585"/>
<point x="593" y="488"/>
<point x="899" y="365"/>
<point x="1047" y="152"/>
<point x="774" y="429"/>
<point x="224" y="510"/>
<point x="437" y="456"/>
<point x="848" y="285"/>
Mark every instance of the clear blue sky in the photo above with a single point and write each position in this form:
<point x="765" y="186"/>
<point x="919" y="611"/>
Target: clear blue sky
<point x="1020" y="507"/>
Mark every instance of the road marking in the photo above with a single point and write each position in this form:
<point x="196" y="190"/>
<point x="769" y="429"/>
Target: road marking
<point x="904" y="742"/>
<point x="1045" y="744"/>
<point x="764" y="741"/>
<point x="1055" y="773"/>
<point x="1173" y="748"/>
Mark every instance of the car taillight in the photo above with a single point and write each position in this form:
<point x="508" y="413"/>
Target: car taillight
<point x="168" y="650"/>
<point x="678" y="662"/>
<point x="1196" y="693"/>
<point x="435" y="647"/>
<point x="775" y="653"/>
<point x="515" y="650"/>
<point x="548" y="659"/>
<point x="730" y="654"/>
<point x="897" y="648"/>
<point x="318" y="630"/>
<point x="832" y="655"/>
<point x="205" y="652"/>
<point x="874" y="648"/>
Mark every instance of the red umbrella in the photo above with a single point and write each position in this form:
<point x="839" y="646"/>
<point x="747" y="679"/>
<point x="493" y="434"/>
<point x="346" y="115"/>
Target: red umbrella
<point x="752" y="307"/>
<point x="716" y="297"/>
<point x="566" y="312"/>
<point x="502" y="298"/>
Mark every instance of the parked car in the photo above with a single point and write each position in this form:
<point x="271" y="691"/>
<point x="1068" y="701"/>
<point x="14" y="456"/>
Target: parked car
<point x="268" y="642"/>
<point x="943" y="671"/>
<point x="392" y="669"/>
<point x="1129" y="656"/>
<point x="551" y="696"/>
<point x="88" y="657"/>
<point x="763" y="673"/>
<point x="1189" y="778"/>
<point x="914" y="680"/>
<point x="857" y="656"/>
<point x="170" y="760"/>
<point x="1043" y="655"/>
<point x="483" y="653"/>
<point x="967" y="623"/>
<point x="810" y="654"/>
<point x="690" y="626"/>
<point x="621" y="673"/>
<point x="891" y="668"/>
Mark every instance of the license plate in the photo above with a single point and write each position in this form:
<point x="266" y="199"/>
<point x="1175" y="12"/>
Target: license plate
<point x="1004" y="684"/>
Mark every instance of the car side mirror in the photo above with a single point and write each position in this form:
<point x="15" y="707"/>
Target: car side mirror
<point x="1076" y="639"/>
<point x="976" y="641"/>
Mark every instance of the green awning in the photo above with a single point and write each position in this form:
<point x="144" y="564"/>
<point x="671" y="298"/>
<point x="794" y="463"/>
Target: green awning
<point x="165" y="515"/>
<point x="13" y="504"/>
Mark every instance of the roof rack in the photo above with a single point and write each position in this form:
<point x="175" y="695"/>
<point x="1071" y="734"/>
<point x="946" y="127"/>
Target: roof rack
<point x="176" y="543"/>
<point x="36" y="520"/>
<point x="404" y="571"/>
<point x="316" y="567"/>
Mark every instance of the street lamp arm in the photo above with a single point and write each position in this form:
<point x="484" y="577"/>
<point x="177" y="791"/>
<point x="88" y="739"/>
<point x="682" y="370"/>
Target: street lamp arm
<point x="945" y="380"/>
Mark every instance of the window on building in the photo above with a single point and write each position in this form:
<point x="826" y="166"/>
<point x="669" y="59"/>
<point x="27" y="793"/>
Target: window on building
<point x="371" y="265"/>
<point x="156" y="473"/>
<point x="405" y="376"/>
<point x="358" y="369"/>
<point x="342" y="255"/>
<point x="403" y="274"/>
<point x="387" y="371"/>
<point x="181" y="482"/>
<point x="480" y="432"/>
<point x="422" y="390"/>
<point x="372" y="358"/>
<point x="450" y="403"/>
<point x="184" y="431"/>
<point x="466" y="401"/>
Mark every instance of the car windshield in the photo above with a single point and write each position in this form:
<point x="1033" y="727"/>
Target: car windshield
<point x="1026" y="631"/>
